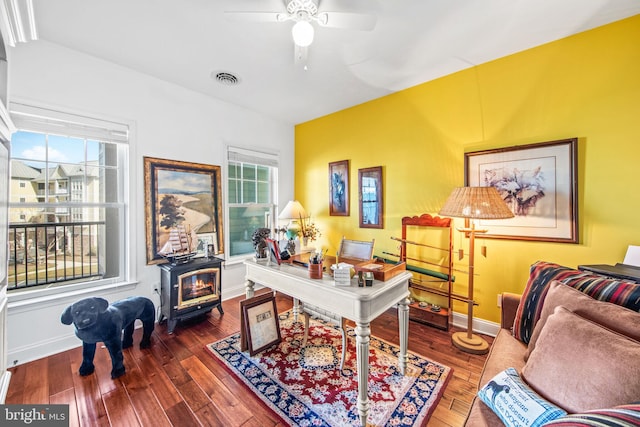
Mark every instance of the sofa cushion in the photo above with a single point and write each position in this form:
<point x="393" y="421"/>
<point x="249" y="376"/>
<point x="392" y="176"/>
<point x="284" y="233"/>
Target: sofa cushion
<point x="611" y="316"/>
<point x="580" y="365"/>
<point x="542" y="273"/>
<point x="620" y="416"/>
<point x="516" y="403"/>
<point x="505" y="351"/>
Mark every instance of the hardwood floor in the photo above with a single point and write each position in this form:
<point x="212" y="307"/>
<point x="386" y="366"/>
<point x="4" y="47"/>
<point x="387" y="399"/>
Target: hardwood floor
<point x="177" y="382"/>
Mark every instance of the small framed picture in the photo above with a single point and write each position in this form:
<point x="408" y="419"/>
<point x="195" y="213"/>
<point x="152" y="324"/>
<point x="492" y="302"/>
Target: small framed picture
<point x="370" y="197"/>
<point x="339" y="188"/>
<point x="260" y="323"/>
<point x="205" y="247"/>
<point x="274" y="250"/>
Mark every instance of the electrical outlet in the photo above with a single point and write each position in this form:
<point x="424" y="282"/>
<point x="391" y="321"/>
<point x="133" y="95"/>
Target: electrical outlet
<point x="499" y="300"/>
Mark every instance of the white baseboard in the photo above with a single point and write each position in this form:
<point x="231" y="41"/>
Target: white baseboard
<point x="480" y="326"/>
<point x="24" y="354"/>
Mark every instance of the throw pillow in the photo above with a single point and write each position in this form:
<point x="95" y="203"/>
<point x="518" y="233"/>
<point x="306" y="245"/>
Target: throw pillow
<point x="620" y="416"/>
<point x="611" y="316"/>
<point x="580" y="365"/>
<point x="541" y="274"/>
<point x="515" y="403"/>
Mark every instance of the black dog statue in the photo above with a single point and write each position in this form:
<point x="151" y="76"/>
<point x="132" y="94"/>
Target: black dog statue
<point x="95" y="320"/>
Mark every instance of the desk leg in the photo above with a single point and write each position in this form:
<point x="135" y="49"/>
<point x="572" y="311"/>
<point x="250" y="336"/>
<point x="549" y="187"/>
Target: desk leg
<point x="363" y="331"/>
<point x="248" y="288"/>
<point x="403" y="324"/>
<point x="296" y="309"/>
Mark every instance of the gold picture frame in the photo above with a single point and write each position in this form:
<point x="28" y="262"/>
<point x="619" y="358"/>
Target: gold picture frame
<point x="178" y="192"/>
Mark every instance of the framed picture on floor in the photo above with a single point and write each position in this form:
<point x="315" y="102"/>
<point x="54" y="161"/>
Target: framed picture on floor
<point x="260" y="323"/>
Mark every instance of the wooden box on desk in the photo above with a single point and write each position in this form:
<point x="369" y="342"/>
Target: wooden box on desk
<point x="381" y="270"/>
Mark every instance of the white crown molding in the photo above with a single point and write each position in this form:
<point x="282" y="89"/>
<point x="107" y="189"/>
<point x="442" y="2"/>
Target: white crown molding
<point x="17" y="21"/>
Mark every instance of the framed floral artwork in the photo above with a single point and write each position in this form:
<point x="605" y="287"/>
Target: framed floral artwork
<point x="339" y="188"/>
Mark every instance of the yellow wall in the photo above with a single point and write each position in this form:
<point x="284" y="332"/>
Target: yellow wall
<point x="585" y="86"/>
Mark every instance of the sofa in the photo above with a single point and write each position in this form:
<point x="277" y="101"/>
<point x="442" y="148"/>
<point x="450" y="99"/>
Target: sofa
<point x="573" y="341"/>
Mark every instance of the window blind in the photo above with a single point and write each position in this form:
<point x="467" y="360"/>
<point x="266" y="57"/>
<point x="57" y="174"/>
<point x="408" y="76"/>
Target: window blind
<point x="37" y="119"/>
<point x="249" y="156"/>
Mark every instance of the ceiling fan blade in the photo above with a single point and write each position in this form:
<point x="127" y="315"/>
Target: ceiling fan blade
<point x="352" y="21"/>
<point x="257" y="16"/>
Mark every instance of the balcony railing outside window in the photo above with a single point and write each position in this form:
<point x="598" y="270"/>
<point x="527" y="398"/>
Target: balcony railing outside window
<point x="46" y="254"/>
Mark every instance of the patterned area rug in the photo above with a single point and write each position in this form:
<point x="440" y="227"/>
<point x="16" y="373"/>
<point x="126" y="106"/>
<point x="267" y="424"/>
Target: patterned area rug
<point x="305" y="386"/>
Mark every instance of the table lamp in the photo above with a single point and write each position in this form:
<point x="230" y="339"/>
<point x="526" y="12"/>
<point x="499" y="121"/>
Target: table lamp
<point x="473" y="203"/>
<point x="294" y="212"/>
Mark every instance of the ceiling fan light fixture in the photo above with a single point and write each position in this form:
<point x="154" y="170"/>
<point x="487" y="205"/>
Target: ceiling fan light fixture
<point x="302" y="33"/>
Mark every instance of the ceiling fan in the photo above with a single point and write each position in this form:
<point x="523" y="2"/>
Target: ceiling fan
<point x="304" y="13"/>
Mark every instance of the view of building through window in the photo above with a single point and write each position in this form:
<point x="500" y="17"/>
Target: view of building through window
<point x="65" y="209"/>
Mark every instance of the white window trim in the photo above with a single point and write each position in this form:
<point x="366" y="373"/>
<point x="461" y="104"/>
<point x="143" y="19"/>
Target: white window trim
<point x="249" y="155"/>
<point x="129" y="246"/>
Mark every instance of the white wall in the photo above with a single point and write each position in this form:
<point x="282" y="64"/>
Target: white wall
<point x="169" y="122"/>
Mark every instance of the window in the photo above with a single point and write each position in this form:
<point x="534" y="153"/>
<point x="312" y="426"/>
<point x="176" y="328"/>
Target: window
<point x="252" y="182"/>
<point x="66" y="225"/>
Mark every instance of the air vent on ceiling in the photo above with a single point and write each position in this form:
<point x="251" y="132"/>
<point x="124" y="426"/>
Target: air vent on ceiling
<point x="225" y="78"/>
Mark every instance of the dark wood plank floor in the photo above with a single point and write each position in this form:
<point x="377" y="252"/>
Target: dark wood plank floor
<point x="176" y="382"/>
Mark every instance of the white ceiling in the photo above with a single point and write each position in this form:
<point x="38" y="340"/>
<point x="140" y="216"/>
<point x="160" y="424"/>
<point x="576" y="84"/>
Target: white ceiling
<point x="414" y="41"/>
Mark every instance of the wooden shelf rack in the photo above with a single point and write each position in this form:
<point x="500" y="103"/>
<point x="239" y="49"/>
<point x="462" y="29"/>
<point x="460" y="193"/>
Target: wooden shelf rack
<point x="426" y="247"/>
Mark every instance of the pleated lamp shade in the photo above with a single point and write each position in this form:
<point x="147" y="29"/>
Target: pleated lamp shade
<point x="293" y="210"/>
<point x="476" y="203"/>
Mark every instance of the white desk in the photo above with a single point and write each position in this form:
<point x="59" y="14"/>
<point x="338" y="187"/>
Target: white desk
<point x="361" y="305"/>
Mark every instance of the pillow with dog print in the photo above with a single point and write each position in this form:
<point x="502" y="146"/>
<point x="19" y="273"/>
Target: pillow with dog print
<point x="515" y="403"/>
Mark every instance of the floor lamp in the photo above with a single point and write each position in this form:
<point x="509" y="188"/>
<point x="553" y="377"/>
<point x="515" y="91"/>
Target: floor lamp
<point x="473" y="203"/>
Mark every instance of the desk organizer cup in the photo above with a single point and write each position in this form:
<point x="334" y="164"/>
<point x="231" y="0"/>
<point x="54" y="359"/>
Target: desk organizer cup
<point x="315" y="271"/>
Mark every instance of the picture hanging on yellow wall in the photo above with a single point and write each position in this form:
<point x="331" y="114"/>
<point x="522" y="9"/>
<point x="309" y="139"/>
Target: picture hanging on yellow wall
<point x="339" y="188"/>
<point x="370" y="197"/>
<point x="539" y="184"/>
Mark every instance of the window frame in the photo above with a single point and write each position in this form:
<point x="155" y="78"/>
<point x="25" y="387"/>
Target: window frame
<point x="269" y="159"/>
<point x="125" y="206"/>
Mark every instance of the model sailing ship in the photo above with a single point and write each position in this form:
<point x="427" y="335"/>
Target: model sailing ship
<point x="181" y="246"/>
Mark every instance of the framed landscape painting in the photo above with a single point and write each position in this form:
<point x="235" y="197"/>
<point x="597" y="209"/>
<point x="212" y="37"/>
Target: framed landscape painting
<point x="181" y="194"/>
<point x="539" y="184"/>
